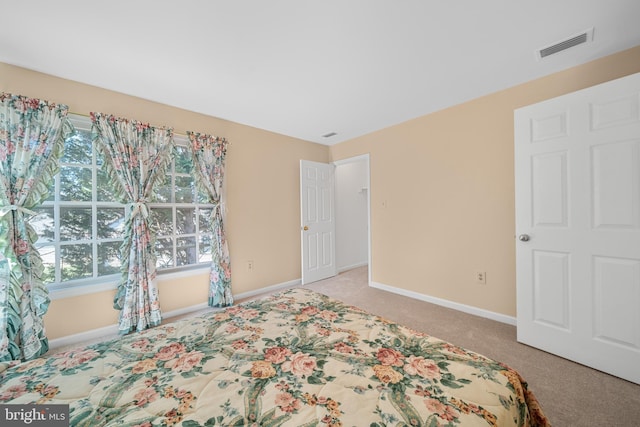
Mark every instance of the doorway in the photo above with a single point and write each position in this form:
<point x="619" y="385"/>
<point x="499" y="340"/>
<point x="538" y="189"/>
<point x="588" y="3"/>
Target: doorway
<point x="335" y="217"/>
<point x="353" y="216"/>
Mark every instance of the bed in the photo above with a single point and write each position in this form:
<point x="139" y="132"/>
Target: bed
<point x="294" y="358"/>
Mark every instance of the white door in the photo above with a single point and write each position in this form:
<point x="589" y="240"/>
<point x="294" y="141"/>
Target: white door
<point x="577" y="171"/>
<point x="318" y="228"/>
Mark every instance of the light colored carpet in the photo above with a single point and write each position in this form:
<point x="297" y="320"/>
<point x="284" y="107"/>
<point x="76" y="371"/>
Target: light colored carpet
<point x="570" y="394"/>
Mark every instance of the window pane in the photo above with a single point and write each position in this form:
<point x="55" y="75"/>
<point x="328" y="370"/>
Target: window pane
<point x="77" y="262"/>
<point x="182" y="160"/>
<point x="48" y="254"/>
<point x="109" y="258"/>
<point x="105" y="190"/>
<point x="205" y="220"/>
<point x="164" y="253"/>
<point x="201" y="197"/>
<point x="75" y="223"/>
<point x="110" y="223"/>
<point x="43" y="224"/>
<point x="75" y="184"/>
<point x="205" y="249"/>
<point x="185" y="220"/>
<point x="78" y="148"/>
<point x="68" y="251"/>
<point x="186" y="251"/>
<point x="184" y="189"/>
<point x="161" y="221"/>
<point x="162" y="190"/>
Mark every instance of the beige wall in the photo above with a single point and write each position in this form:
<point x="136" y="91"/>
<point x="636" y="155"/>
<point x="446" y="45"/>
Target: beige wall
<point x="442" y="190"/>
<point x="442" y="193"/>
<point x="263" y="205"/>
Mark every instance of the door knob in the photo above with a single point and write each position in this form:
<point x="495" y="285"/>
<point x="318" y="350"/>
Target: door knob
<point x="305" y="228"/>
<point x="523" y="237"/>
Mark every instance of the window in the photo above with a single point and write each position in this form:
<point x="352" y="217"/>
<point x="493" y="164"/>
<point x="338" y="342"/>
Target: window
<point x="80" y="226"/>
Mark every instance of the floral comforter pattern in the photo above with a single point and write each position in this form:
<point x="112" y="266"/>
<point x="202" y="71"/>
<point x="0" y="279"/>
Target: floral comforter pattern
<point x="296" y="358"/>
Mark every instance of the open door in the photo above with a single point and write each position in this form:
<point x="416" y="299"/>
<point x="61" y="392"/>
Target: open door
<point x="577" y="162"/>
<point x="317" y="226"/>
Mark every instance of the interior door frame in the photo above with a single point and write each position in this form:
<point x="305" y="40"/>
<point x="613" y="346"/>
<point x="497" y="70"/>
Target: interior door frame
<point x="366" y="158"/>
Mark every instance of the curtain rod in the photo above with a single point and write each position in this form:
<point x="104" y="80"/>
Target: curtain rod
<point x="174" y="132"/>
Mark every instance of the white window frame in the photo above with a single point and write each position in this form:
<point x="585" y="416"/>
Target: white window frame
<point x="97" y="283"/>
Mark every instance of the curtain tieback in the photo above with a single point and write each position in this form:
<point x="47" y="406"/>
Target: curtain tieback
<point x="8" y="208"/>
<point x="139" y="208"/>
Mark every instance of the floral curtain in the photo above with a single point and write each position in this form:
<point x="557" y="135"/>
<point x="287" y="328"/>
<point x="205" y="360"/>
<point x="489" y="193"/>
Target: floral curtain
<point x="32" y="134"/>
<point x="136" y="156"/>
<point x="208" y="154"/>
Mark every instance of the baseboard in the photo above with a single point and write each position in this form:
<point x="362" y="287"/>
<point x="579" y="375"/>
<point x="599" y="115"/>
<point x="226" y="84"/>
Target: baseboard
<point x="112" y="330"/>
<point x="351" y="267"/>
<point x="185" y="310"/>
<point x="449" y="304"/>
<point x="268" y="289"/>
<point x="93" y="334"/>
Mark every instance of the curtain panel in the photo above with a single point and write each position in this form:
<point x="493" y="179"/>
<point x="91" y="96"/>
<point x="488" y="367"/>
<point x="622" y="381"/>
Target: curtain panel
<point x="136" y="156"/>
<point x="32" y="134"/>
<point x="208" y="155"/>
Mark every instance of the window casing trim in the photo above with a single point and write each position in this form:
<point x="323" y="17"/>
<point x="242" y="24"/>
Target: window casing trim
<point x="100" y="283"/>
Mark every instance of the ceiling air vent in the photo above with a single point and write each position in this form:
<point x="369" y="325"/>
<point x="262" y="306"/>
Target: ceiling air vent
<point x="583" y="37"/>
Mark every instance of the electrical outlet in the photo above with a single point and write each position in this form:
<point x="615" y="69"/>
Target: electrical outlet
<point x="481" y="277"/>
<point x="249" y="265"/>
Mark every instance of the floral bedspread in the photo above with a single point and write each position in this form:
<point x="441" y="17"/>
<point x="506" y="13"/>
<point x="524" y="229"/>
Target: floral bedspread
<point x="296" y="358"/>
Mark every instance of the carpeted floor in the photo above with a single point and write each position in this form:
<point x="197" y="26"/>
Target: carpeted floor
<point x="570" y="394"/>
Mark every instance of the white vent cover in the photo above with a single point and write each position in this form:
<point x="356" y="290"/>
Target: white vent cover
<point x="575" y="40"/>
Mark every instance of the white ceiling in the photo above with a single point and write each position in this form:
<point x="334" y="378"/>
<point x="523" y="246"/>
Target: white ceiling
<point x="306" y="68"/>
